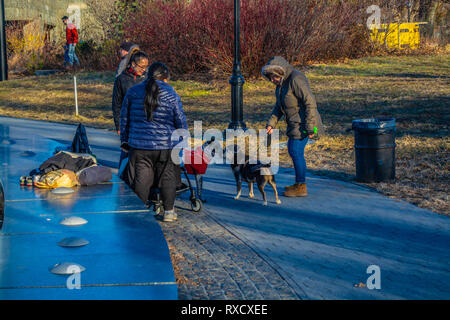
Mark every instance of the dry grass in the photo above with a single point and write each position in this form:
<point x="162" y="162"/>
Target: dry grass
<point x="413" y="89"/>
<point x="422" y="168"/>
<point x="51" y="98"/>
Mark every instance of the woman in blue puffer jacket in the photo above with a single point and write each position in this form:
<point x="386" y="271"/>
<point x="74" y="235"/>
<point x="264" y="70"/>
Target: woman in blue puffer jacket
<point x="151" y="112"/>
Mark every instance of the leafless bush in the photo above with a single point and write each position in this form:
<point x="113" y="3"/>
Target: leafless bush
<point x="197" y="35"/>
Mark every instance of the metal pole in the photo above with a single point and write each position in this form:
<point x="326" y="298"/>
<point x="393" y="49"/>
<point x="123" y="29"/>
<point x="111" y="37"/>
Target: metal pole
<point x="409" y="4"/>
<point x="237" y="81"/>
<point x="3" y="56"/>
<point x="76" y="95"/>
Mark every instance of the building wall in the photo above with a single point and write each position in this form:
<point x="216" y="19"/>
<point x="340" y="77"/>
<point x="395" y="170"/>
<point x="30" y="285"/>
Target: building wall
<point x="48" y="13"/>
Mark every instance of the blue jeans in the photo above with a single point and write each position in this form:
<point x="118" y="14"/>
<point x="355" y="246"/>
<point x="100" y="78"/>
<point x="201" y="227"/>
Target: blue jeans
<point x="70" y="56"/>
<point x="296" y="149"/>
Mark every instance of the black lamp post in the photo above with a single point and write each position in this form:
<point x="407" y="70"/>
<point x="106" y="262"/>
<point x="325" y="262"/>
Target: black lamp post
<point x="237" y="81"/>
<point x="3" y="57"/>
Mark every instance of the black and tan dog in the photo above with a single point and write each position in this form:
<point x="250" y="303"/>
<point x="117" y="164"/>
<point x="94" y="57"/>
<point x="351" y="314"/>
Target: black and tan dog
<point x="251" y="173"/>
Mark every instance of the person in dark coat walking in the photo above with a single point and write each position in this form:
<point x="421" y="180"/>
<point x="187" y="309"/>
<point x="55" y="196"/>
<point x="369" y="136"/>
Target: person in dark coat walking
<point x="296" y="102"/>
<point x="151" y="112"/>
<point x="135" y="73"/>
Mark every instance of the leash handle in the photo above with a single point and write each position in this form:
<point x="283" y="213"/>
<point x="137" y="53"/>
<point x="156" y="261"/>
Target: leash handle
<point x="269" y="140"/>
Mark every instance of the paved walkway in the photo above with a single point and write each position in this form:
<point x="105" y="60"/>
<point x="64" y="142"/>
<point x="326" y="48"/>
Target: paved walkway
<point x="212" y="263"/>
<point x="319" y="246"/>
<point x="324" y="243"/>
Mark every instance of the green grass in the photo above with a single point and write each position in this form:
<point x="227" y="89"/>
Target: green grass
<point x="413" y="89"/>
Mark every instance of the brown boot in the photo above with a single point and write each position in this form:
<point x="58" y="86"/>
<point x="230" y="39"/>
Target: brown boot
<point x="290" y="187"/>
<point x="298" y="190"/>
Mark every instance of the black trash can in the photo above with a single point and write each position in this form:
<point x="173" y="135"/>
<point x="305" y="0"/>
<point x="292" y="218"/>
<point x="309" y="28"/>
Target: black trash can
<point x="374" y="149"/>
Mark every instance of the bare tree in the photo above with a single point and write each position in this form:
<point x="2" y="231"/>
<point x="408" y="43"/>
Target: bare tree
<point x="106" y="14"/>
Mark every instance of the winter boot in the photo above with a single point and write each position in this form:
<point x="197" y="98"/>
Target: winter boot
<point x="298" y="190"/>
<point x="290" y="187"/>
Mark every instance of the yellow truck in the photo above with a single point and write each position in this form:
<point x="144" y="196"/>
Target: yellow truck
<point x="397" y="35"/>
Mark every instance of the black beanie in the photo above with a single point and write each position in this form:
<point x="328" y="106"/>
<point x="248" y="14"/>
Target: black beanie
<point x="126" y="46"/>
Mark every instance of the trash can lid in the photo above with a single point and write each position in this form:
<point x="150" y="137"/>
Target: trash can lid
<point x="374" y="123"/>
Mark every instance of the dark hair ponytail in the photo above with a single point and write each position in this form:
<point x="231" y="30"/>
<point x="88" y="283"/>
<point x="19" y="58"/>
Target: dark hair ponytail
<point x="157" y="71"/>
<point x="151" y="98"/>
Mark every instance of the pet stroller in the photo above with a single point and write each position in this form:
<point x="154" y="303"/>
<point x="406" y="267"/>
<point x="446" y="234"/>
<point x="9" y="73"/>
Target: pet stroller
<point x="195" y="163"/>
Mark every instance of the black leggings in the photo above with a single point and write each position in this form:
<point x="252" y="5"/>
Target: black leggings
<point x="155" y="168"/>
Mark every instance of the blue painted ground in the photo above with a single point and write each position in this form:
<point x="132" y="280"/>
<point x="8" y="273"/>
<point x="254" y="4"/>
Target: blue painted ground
<point x="324" y="243"/>
<point x="127" y="257"/>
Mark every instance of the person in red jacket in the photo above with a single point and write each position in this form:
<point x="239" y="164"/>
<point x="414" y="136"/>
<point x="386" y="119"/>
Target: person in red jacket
<point x="70" y="57"/>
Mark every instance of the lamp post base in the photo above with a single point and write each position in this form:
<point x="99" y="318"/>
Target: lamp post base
<point x="237" y="100"/>
<point x="236" y="125"/>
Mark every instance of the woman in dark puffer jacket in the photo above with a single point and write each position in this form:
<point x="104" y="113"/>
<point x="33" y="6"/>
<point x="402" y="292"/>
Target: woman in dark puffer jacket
<point x="150" y="114"/>
<point x="133" y="74"/>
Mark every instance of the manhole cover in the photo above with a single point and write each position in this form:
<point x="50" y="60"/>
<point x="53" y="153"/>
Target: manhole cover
<point x="62" y="190"/>
<point x="67" y="268"/>
<point x="27" y="154"/>
<point x="8" y="141"/>
<point x="73" y="242"/>
<point x="73" y="221"/>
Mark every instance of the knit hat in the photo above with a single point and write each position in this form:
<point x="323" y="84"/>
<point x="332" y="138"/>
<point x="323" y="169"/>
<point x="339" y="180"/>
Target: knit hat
<point x="126" y="46"/>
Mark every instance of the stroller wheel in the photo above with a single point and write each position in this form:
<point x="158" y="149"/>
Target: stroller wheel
<point x="196" y="205"/>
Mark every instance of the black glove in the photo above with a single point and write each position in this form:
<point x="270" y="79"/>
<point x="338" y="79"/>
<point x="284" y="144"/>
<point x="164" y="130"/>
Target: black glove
<point x="125" y="147"/>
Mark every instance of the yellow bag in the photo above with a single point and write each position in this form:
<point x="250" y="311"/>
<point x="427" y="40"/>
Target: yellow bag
<point x="58" y="178"/>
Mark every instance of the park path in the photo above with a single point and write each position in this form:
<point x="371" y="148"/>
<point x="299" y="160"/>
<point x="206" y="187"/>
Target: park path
<point x="323" y="244"/>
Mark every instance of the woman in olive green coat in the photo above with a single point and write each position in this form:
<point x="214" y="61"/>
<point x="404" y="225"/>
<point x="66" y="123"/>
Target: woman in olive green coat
<point x="294" y="101"/>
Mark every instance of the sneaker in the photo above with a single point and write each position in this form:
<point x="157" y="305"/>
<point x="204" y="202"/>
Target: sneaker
<point x="29" y="181"/>
<point x="170" y="216"/>
<point x="159" y="211"/>
<point x="36" y="179"/>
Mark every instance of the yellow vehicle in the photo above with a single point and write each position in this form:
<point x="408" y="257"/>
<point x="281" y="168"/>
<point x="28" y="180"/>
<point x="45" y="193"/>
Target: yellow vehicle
<point x="397" y="35"/>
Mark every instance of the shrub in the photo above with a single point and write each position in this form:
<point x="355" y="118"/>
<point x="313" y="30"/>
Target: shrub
<point x="94" y="56"/>
<point x="198" y="35"/>
<point x="25" y="48"/>
<point x="163" y="30"/>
